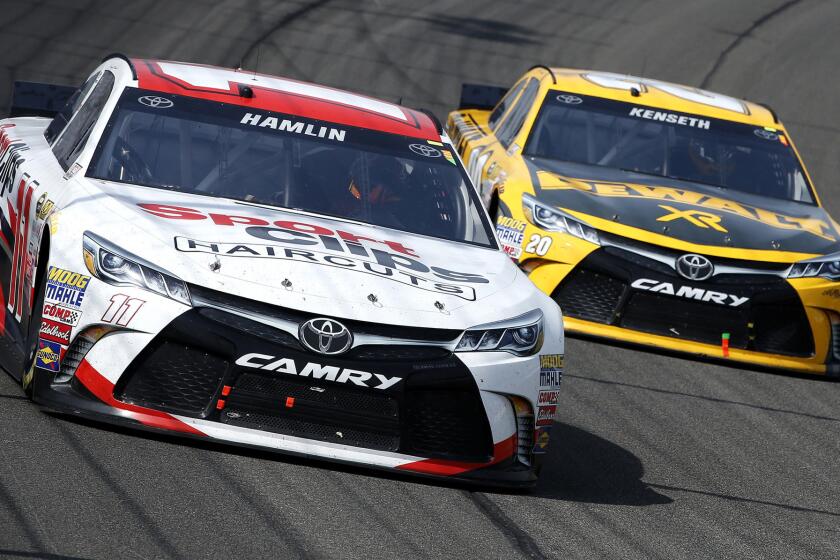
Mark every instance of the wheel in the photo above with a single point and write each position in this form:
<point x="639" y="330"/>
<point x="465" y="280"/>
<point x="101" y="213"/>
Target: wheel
<point x="29" y="369"/>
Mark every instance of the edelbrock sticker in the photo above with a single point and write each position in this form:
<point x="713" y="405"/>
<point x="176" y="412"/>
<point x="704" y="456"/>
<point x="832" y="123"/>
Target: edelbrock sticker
<point x="55" y="331"/>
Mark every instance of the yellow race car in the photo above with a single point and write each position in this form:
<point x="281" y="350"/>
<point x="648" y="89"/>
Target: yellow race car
<point x="658" y="214"/>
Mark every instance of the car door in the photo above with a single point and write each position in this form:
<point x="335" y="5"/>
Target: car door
<point x="501" y="159"/>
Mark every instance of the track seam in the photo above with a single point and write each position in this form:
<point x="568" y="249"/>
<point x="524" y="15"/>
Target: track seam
<point x="743" y="35"/>
<point x="281" y="23"/>
<point x="517" y="536"/>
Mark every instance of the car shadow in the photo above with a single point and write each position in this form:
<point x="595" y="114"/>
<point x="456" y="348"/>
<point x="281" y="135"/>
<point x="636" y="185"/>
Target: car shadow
<point x="583" y="467"/>
<point x="580" y="466"/>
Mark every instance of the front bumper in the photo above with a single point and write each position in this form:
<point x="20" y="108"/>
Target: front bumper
<point x="435" y="421"/>
<point x="783" y="324"/>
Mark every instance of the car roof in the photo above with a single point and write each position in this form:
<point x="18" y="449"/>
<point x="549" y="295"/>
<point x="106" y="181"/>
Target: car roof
<point x="659" y="94"/>
<point x="282" y="95"/>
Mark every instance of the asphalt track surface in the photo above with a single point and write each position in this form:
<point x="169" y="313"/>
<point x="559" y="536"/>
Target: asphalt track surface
<point x="654" y="456"/>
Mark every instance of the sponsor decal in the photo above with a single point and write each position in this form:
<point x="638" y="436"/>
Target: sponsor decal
<point x="509" y="235"/>
<point x="541" y="437"/>
<point x="305" y="242"/>
<point x="10" y="158"/>
<point x="671" y="118"/>
<point x="766" y="134"/>
<point x="511" y="223"/>
<point x="61" y="314"/>
<point x="66" y="287"/>
<point x="55" y="331"/>
<point x="48" y="355"/>
<point x="689" y="292"/>
<point x="813" y="226"/>
<point x="155" y="102"/>
<point x="295" y="127"/>
<point x="314" y="370"/>
<point x="548" y="397"/>
<point x="397" y="268"/>
<point x="698" y="218"/>
<point x="122" y="310"/>
<point x="54" y="223"/>
<point x="43" y="207"/>
<point x="424" y="150"/>
<point x="569" y="99"/>
<point x="546" y="414"/>
<point x="551" y="370"/>
<point x="510" y="232"/>
<point x="832" y="292"/>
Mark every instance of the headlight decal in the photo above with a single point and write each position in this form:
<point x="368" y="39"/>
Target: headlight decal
<point x="551" y="219"/>
<point x="521" y="336"/>
<point x="823" y="267"/>
<point x="118" y="267"/>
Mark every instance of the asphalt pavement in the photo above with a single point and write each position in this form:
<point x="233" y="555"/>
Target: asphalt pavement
<point x="654" y="456"/>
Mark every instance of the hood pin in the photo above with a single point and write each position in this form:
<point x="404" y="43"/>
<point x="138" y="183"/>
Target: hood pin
<point x="215" y="265"/>
<point x="374" y="300"/>
<point x="286" y="283"/>
<point x="441" y="308"/>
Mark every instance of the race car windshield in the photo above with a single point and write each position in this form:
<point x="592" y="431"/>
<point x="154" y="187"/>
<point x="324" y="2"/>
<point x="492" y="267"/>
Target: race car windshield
<point x="596" y="131"/>
<point x="203" y="147"/>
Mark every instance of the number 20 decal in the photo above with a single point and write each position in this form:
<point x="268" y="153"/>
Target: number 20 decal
<point x="122" y="310"/>
<point x="538" y="244"/>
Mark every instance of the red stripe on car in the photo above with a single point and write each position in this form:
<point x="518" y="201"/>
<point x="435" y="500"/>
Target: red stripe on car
<point x="103" y="389"/>
<point x="445" y="467"/>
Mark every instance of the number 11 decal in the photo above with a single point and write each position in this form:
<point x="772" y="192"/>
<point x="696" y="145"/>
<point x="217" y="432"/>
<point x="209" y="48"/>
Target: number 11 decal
<point x="122" y="309"/>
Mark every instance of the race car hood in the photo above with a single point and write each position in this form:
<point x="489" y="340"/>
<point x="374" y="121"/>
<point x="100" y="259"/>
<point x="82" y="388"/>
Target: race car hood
<point x="313" y="263"/>
<point x="691" y="212"/>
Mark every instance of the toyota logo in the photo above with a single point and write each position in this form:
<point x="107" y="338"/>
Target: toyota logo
<point x="766" y="134"/>
<point x="694" y="267"/>
<point x="155" y="101"/>
<point x="569" y="99"/>
<point x="325" y="336"/>
<point x="424" y="150"/>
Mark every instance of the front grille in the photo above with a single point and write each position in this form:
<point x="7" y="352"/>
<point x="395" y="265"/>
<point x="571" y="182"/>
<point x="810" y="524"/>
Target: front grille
<point x="302" y="408"/>
<point x="590" y="295"/>
<point x="173" y="378"/>
<point x="251" y="327"/>
<point x="77" y="350"/>
<point x="686" y="319"/>
<point x="398" y="353"/>
<point x="434" y="410"/>
<point x="448" y="422"/>
<point x="772" y="320"/>
<point x="206" y="296"/>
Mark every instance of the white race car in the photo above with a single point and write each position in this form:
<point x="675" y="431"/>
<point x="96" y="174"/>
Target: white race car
<point x="268" y="263"/>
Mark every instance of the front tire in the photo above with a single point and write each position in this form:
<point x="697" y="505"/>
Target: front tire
<point x="29" y="368"/>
